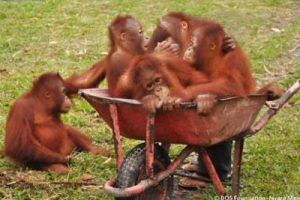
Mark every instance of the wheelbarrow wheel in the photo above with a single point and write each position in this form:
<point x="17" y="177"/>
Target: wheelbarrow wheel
<point x="132" y="172"/>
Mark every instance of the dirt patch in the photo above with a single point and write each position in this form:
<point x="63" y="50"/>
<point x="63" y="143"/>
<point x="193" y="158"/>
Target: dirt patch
<point x="3" y="72"/>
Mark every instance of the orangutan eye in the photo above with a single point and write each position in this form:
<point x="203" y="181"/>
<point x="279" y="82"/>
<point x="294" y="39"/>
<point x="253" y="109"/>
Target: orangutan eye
<point x="158" y="80"/>
<point x="149" y="86"/>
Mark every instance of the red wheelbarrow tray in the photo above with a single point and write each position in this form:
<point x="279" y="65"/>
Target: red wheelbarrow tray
<point x="230" y="117"/>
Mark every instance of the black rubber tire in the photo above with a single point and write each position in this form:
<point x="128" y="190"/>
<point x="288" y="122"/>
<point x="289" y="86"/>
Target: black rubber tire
<point x="135" y="162"/>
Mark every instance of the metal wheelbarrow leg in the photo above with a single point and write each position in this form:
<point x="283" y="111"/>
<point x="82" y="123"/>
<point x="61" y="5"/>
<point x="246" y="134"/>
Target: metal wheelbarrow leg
<point x="116" y="135"/>
<point x="212" y="172"/>
<point x="237" y="163"/>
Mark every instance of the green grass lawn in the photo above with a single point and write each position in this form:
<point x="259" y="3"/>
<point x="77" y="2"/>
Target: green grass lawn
<point x="70" y="35"/>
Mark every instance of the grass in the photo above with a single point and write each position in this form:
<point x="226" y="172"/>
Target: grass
<point x="69" y="36"/>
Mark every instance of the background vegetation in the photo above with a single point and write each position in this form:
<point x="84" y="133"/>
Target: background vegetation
<point x="70" y="35"/>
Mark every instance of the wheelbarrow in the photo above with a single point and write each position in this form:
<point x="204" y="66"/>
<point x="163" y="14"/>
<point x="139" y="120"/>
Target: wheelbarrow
<point x="147" y="172"/>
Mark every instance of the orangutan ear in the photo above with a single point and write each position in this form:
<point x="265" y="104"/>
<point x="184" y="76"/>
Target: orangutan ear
<point x="47" y="94"/>
<point x="212" y="46"/>
<point x="123" y="36"/>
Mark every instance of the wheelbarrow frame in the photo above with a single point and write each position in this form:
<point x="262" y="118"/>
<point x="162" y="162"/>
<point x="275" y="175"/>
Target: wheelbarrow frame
<point x="152" y="179"/>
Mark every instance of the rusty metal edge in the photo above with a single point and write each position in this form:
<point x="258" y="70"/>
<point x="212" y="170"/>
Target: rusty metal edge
<point x="260" y="123"/>
<point x="132" y="102"/>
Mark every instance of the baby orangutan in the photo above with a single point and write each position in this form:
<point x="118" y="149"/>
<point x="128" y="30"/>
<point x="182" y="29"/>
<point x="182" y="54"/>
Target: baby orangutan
<point x="159" y="81"/>
<point x="35" y="135"/>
